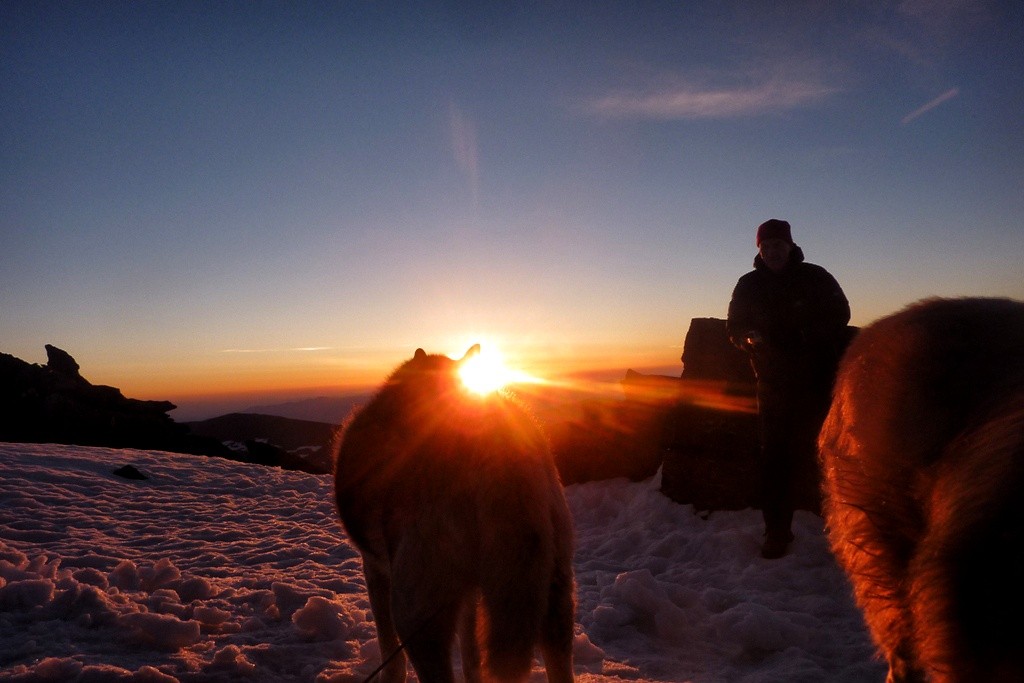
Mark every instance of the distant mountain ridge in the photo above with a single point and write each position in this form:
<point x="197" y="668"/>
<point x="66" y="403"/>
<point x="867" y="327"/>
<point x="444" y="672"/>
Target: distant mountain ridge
<point x="326" y="409"/>
<point x="284" y="432"/>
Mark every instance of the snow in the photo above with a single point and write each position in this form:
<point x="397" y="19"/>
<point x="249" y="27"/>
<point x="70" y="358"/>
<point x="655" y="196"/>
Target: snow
<point x="211" y="570"/>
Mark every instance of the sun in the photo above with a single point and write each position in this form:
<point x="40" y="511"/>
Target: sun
<point x="487" y="371"/>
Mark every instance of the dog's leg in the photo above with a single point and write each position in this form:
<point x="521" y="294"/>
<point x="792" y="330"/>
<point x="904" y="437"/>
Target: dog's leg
<point x="557" y="629"/>
<point x="469" y="640"/>
<point x="378" y="586"/>
<point x="425" y="602"/>
<point x="428" y="634"/>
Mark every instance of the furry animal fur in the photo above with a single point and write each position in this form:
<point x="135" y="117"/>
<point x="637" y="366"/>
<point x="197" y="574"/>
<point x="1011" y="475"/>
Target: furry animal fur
<point x="456" y="506"/>
<point x="923" y="463"/>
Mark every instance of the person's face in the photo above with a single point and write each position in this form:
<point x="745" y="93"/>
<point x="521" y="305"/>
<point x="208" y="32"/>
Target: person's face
<point x="775" y="253"/>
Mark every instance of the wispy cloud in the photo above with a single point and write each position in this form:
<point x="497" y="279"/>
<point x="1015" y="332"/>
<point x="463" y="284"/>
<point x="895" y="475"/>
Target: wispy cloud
<point x="464" y="147"/>
<point x="944" y="97"/>
<point x="697" y="102"/>
<point x="300" y="349"/>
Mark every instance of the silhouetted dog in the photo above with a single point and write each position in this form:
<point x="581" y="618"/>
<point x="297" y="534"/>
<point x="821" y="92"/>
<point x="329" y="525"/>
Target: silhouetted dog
<point x="923" y="463"/>
<point x="456" y="505"/>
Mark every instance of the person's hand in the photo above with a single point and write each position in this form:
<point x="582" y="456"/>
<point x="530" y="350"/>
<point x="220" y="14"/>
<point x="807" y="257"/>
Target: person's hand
<point x="754" y="340"/>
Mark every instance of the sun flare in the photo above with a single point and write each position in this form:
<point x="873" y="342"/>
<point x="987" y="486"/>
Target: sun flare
<point x="487" y="371"/>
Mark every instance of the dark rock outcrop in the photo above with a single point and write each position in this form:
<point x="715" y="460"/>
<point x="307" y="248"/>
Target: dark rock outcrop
<point x="709" y="355"/>
<point x="711" y="460"/>
<point x="710" y="456"/>
<point x="53" y="403"/>
<point x="700" y="427"/>
<point x="61" y="362"/>
<point x="711" y="448"/>
<point x="596" y="436"/>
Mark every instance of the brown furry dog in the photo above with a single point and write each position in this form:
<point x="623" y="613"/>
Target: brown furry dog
<point x="923" y="462"/>
<point x="456" y="505"/>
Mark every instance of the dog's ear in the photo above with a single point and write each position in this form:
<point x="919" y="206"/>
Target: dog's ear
<point x="419" y="355"/>
<point x="474" y="350"/>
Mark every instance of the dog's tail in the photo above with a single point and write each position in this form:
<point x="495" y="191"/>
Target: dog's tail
<point x="527" y="589"/>
<point x="967" y="572"/>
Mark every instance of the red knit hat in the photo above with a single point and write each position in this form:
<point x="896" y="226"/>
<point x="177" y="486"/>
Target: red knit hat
<point x="773" y="228"/>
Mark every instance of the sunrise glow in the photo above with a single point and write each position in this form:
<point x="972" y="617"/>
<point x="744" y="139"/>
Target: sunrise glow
<point x="487" y="371"/>
<point x="379" y="218"/>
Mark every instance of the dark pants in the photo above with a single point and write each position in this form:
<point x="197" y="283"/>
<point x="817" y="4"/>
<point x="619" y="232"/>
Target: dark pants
<point x="791" y="408"/>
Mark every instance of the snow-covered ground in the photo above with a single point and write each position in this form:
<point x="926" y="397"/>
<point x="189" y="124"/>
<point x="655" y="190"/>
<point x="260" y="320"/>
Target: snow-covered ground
<point x="211" y="570"/>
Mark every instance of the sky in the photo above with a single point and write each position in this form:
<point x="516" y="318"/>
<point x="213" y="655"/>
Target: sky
<point x="211" y="570"/>
<point x="202" y="199"/>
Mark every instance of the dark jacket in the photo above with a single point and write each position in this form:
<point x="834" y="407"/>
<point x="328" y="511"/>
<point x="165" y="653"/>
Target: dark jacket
<point x="800" y="313"/>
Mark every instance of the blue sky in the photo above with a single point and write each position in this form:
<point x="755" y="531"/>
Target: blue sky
<point x="201" y="197"/>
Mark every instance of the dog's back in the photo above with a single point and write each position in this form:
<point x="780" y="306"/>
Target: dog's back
<point x="457" y="508"/>
<point x="923" y="463"/>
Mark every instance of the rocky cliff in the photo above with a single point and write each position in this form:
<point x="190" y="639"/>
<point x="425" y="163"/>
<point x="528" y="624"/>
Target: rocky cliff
<point x="53" y="403"/>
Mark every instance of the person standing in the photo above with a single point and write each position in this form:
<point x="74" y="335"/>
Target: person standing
<point x="791" y="317"/>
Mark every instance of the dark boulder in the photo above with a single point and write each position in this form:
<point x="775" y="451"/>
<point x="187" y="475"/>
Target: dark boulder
<point x="712" y="449"/>
<point x="130" y="472"/>
<point x="263" y="453"/>
<point x="597" y="435"/>
<point x="709" y="355"/>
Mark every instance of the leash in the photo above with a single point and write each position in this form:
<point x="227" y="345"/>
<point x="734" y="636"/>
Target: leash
<point x="401" y="645"/>
<point x="387" y="660"/>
